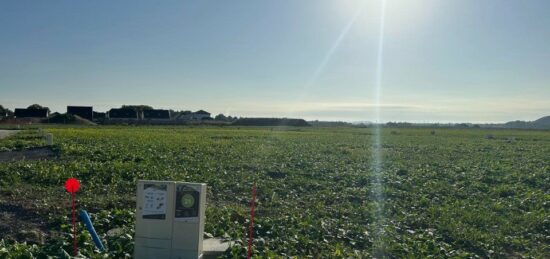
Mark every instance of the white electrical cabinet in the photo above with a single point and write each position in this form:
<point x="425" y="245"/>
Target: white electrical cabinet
<point x="169" y="219"/>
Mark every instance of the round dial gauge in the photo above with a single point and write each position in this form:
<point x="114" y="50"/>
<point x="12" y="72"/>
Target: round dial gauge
<point x="187" y="200"/>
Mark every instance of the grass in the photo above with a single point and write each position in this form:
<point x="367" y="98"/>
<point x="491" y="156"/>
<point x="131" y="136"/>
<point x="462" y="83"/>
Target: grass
<point x="454" y="193"/>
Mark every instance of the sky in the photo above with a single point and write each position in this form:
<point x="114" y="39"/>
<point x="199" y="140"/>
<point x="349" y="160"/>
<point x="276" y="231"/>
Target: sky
<point x="433" y="61"/>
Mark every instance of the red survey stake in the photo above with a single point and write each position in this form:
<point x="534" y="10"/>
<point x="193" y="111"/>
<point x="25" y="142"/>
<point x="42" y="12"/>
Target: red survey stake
<point x="72" y="185"/>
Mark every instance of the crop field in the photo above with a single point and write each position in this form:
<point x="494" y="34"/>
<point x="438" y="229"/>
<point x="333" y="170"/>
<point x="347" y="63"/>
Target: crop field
<point x="458" y="193"/>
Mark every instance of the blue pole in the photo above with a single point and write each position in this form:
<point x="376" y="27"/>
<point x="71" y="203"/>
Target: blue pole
<point x="90" y="227"/>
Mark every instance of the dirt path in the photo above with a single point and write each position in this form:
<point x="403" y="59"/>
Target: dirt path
<point x="20" y="218"/>
<point x="6" y="133"/>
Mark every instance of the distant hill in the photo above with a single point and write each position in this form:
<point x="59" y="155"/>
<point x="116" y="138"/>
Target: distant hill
<point x="542" y="123"/>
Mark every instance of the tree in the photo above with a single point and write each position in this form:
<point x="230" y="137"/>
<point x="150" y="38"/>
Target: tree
<point x="220" y="117"/>
<point x="37" y="107"/>
<point x="5" y="111"/>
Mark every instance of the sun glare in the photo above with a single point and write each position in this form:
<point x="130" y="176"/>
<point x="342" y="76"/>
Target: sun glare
<point x="400" y="14"/>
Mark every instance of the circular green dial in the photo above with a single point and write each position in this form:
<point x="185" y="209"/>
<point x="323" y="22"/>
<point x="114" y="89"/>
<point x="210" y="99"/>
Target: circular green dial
<point x="187" y="201"/>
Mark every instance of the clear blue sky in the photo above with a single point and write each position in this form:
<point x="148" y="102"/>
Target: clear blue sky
<point x="461" y="60"/>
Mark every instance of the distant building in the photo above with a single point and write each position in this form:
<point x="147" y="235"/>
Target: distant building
<point x="86" y="112"/>
<point x="123" y="114"/>
<point x="31" y="113"/>
<point x="198" y="115"/>
<point x="185" y="116"/>
<point x="201" y="115"/>
<point x="156" y="114"/>
<point x="99" y="115"/>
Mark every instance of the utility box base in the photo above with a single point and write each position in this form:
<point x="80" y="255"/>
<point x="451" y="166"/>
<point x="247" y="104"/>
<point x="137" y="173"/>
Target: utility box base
<point x="170" y="219"/>
<point x="215" y="247"/>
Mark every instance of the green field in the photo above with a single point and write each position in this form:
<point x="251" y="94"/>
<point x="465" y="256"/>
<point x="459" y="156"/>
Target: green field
<point x="450" y="193"/>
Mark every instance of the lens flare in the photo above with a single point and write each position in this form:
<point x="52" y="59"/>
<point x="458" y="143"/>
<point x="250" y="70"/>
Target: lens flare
<point x="327" y="57"/>
<point x="377" y="183"/>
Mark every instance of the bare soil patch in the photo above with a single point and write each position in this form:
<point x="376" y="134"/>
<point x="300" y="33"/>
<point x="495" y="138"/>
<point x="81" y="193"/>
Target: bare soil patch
<point x="24" y="213"/>
<point x="21" y="223"/>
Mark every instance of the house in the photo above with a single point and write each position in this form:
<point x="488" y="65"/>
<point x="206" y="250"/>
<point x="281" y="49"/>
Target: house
<point x="156" y="114"/>
<point x="86" y="112"/>
<point x="198" y="115"/>
<point x="31" y="113"/>
<point x="185" y="116"/>
<point x="99" y="115"/>
<point x="123" y="114"/>
<point x="201" y="115"/>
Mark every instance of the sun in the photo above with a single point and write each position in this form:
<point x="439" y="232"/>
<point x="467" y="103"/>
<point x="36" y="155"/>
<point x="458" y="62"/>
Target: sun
<point x="399" y="14"/>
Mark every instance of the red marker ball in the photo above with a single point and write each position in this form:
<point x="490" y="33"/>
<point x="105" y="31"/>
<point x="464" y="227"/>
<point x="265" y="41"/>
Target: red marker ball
<point x="72" y="185"/>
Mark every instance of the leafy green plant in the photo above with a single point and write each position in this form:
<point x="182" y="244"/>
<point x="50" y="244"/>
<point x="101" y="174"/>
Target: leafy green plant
<point x="451" y="194"/>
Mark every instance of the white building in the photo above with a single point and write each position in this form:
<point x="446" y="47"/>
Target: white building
<point x="194" y="116"/>
<point x="201" y="115"/>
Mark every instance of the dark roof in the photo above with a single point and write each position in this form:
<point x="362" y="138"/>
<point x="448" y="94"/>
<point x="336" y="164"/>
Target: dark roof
<point x="156" y="114"/>
<point x="202" y="112"/>
<point x="544" y="121"/>
<point x="186" y="112"/>
<point x="122" y="114"/>
<point x="86" y="112"/>
<point x="99" y="115"/>
<point x="31" y="113"/>
<point x="184" y="116"/>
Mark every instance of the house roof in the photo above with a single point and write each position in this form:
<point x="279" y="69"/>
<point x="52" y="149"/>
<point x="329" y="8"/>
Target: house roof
<point x="86" y="112"/>
<point x="156" y="114"/>
<point x="183" y="116"/>
<point x="122" y="113"/>
<point x="202" y="112"/>
<point x="99" y="115"/>
<point x="31" y="113"/>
